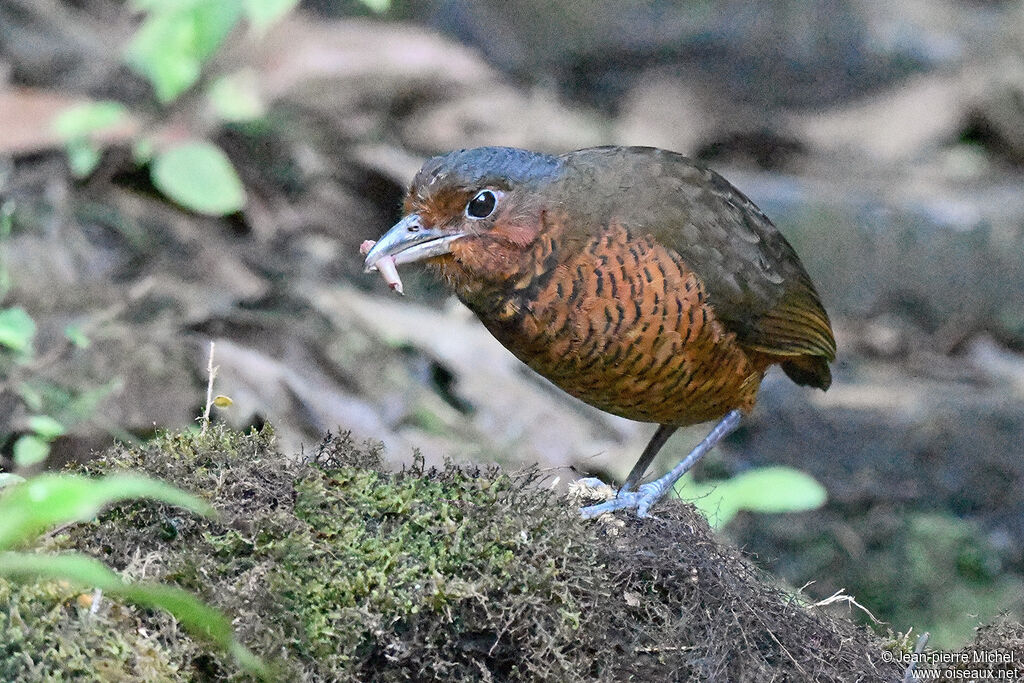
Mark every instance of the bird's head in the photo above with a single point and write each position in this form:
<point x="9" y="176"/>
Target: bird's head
<point x="471" y="214"/>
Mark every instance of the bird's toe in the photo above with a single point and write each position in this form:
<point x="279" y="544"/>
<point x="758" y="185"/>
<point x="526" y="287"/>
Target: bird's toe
<point x="625" y="501"/>
<point x="640" y="500"/>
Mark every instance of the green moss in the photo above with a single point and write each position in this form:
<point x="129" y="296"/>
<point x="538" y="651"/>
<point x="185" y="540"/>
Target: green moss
<point x="47" y="633"/>
<point x="376" y="551"/>
<point x="335" y="569"/>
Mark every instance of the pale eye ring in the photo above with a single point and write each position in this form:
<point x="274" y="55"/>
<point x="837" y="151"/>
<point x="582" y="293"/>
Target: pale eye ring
<point x="482" y="205"/>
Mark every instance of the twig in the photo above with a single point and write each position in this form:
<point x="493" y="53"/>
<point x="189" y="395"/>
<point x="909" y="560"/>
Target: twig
<point x="840" y="596"/>
<point x="785" y="650"/>
<point x="97" y="595"/>
<point x="922" y="640"/>
<point x="211" y="373"/>
<point x="667" y="648"/>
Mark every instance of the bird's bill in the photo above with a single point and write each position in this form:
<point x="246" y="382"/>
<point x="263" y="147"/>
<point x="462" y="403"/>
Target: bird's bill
<point x="410" y="241"/>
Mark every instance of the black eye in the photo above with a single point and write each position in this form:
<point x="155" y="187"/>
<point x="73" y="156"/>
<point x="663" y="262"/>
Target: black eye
<point x="482" y="205"/>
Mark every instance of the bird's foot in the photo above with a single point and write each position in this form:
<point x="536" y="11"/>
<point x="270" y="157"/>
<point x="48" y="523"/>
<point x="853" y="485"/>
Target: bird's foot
<point x="647" y="495"/>
<point x="641" y="500"/>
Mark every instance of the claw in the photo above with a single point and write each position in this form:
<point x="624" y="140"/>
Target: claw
<point x="641" y="500"/>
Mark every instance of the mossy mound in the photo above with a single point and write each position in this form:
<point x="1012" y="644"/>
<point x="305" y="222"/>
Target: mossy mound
<point x="997" y="654"/>
<point x="334" y="569"/>
<point x="48" y="634"/>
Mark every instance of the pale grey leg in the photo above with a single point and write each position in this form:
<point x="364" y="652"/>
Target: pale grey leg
<point x="653" y="446"/>
<point x="647" y="495"/>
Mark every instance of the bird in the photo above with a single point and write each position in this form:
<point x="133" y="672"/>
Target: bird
<point x="633" y="278"/>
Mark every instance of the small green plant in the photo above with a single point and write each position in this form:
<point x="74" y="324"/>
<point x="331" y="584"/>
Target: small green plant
<point x="17" y="352"/>
<point x="80" y="125"/>
<point x="17" y="330"/>
<point x="17" y="349"/>
<point x="44" y="409"/>
<point x="763" y="489"/>
<point x="171" y="49"/>
<point x="33" y="448"/>
<point x="29" y="508"/>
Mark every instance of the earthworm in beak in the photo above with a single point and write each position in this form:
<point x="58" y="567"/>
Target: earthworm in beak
<point x="385" y="266"/>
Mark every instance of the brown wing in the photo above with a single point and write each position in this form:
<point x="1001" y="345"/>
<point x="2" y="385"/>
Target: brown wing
<point x="754" y="279"/>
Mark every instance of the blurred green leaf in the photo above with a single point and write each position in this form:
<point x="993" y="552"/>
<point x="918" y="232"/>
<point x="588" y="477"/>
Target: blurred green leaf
<point x="31" y="396"/>
<point x="6" y="218"/>
<point x="778" y="489"/>
<point x="46" y="427"/>
<point x="378" y="6"/>
<point x="198" y="618"/>
<point x="199" y="176"/>
<point x="143" y="151"/>
<point x="82" y="120"/>
<point x="74" y="567"/>
<point x="222" y="401"/>
<point x="30" y="450"/>
<point x="177" y="38"/>
<point x="16" y="329"/>
<point x="76" y="124"/>
<point x="6" y="226"/>
<point x="9" y="479"/>
<point x="83" y="157"/>
<point x="235" y="97"/>
<point x="51" y="499"/>
<point x="166" y="5"/>
<point x="76" y="336"/>
<point x="765" y="489"/>
<point x="263" y="13"/>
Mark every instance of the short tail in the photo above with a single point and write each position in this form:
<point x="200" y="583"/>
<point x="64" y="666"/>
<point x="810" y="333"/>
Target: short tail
<point x="809" y="371"/>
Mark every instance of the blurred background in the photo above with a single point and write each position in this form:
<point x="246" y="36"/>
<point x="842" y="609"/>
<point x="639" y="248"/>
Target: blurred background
<point x="183" y="171"/>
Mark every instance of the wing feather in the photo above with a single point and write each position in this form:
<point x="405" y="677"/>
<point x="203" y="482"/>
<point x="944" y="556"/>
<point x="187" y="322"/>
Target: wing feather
<point x="753" y="277"/>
